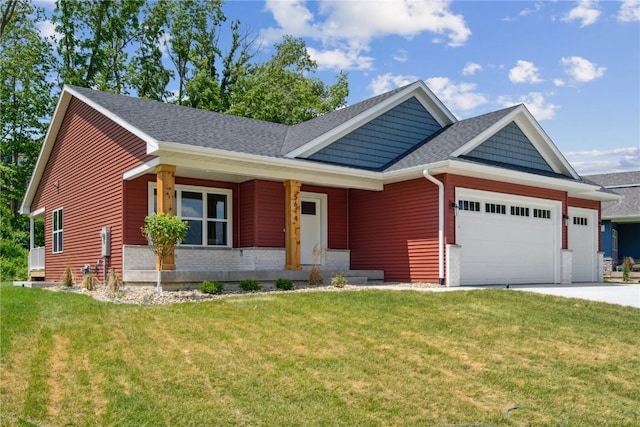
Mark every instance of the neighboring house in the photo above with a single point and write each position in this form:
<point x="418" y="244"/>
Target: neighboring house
<point x="620" y="219"/>
<point x="394" y="184"/>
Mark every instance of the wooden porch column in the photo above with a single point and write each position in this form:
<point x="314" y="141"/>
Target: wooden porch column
<point x="166" y="181"/>
<point x="292" y="225"/>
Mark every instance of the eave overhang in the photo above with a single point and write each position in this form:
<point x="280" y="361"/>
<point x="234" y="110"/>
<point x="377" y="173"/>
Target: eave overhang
<point x="573" y="188"/>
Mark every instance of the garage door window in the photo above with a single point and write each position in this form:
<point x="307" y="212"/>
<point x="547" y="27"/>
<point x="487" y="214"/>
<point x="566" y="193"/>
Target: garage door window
<point x="519" y="211"/>
<point x="542" y="213"/>
<point x="495" y="208"/>
<point x="467" y="205"/>
<point x="580" y="220"/>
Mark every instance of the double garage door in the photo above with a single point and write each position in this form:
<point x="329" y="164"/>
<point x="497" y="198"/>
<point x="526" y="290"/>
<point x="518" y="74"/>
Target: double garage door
<point x="507" y="239"/>
<point x="513" y="239"/>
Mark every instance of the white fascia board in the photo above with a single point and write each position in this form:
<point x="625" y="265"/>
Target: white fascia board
<point x="50" y="137"/>
<point x="37" y="212"/>
<point x="45" y="150"/>
<point x="557" y="159"/>
<point x="115" y="118"/>
<point x="267" y="167"/>
<point x="420" y="90"/>
<point x="523" y="118"/>
<point x="574" y="189"/>
<point x="145" y="168"/>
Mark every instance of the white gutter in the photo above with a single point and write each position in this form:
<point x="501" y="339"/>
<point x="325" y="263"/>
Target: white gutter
<point x="440" y="185"/>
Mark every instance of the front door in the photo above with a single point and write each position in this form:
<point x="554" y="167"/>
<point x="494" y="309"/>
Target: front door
<point x="311" y="229"/>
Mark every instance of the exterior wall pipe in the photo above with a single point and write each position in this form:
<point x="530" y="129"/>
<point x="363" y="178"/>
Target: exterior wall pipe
<point x="440" y="185"/>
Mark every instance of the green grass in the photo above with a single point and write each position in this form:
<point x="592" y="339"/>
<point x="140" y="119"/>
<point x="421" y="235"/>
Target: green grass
<point x="371" y="358"/>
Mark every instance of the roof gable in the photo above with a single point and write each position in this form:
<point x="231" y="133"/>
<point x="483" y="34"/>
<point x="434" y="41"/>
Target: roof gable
<point x="382" y="140"/>
<point x="510" y="146"/>
<point x="528" y="128"/>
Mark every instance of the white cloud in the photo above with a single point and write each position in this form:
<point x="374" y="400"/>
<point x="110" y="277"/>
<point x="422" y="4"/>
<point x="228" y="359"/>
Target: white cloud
<point x="629" y="11"/>
<point x="524" y="72"/>
<point x="458" y="97"/>
<point x="471" y="68"/>
<point x="582" y="70"/>
<point x="336" y="59"/>
<point x="558" y="82"/>
<point x="386" y="82"/>
<point x="350" y="26"/>
<point x="401" y="55"/>
<point x="535" y="103"/>
<point x="601" y="161"/>
<point x="586" y="11"/>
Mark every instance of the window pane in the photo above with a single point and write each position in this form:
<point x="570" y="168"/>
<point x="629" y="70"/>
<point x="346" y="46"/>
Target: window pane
<point x="308" y="208"/>
<point x="216" y="233"/>
<point x="194" y="233"/>
<point x="191" y="205"/>
<point x="217" y="206"/>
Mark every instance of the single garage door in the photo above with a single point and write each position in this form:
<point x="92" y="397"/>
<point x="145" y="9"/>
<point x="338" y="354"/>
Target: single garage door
<point x="507" y="239"/>
<point x="583" y="243"/>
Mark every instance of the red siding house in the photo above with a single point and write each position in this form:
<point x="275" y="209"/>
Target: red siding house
<point x="394" y="188"/>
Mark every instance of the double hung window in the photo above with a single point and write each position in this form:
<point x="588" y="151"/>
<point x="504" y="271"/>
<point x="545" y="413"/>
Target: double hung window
<point x="207" y="211"/>
<point x="57" y="231"/>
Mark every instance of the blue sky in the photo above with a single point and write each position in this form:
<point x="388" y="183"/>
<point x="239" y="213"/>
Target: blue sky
<point x="574" y="64"/>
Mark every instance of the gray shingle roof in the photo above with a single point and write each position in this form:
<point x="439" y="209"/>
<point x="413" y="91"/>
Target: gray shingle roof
<point x="626" y="184"/>
<point x="184" y="125"/>
<point x="440" y="146"/>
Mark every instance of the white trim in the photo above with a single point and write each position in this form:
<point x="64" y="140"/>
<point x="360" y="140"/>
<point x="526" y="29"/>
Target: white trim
<point x="143" y="169"/>
<point x="419" y="89"/>
<point x="37" y="212"/>
<point x="540" y="140"/>
<point x="204" y="190"/>
<point x="115" y="118"/>
<point x="55" y="232"/>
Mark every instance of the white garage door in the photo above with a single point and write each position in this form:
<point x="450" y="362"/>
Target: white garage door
<point x="507" y="239"/>
<point x="583" y="242"/>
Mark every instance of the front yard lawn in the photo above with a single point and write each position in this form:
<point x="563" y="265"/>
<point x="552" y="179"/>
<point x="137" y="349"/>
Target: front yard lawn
<point x="370" y="358"/>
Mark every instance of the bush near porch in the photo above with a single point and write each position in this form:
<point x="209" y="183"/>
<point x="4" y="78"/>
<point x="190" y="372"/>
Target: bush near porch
<point x="374" y="358"/>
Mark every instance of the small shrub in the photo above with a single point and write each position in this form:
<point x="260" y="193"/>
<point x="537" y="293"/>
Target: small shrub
<point x="315" y="278"/>
<point x="284" y="284"/>
<point x="626" y="269"/>
<point x="114" y="282"/>
<point x="89" y="282"/>
<point x="67" y="279"/>
<point x="209" y="287"/>
<point x="250" y="285"/>
<point x="339" y="281"/>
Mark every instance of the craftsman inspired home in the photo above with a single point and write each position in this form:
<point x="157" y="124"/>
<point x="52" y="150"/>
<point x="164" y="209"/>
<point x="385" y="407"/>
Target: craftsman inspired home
<point x="393" y="187"/>
<point x="621" y="218"/>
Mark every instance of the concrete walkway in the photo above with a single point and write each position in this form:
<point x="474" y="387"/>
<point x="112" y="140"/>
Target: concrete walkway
<point x="612" y="293"/>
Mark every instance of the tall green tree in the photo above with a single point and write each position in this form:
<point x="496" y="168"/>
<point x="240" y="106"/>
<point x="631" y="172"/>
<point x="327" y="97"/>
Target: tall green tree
<point x="147" y="74"/>
<point x="26" y="64"/>
<point x="281" y="89"/>
<point x="96" y="38"/>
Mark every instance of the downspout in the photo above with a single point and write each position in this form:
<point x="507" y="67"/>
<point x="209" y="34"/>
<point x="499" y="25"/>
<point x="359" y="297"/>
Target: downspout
<point x="440" y="185"/>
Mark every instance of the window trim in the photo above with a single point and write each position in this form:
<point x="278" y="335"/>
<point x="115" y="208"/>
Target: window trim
<point x="55" y="232"/>
<point x="179" y="188"/>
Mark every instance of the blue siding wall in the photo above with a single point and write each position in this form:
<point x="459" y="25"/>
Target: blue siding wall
<point x="512" y="147"/>
<point x="629" y="240"/>
<point x="383" y="139"/>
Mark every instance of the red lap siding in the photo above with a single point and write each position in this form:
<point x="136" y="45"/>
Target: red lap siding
<point x="87" y="161"/>
<point x="396" y="230"/>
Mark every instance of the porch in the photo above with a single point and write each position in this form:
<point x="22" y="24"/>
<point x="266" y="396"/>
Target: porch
<point x="196" y="264"/>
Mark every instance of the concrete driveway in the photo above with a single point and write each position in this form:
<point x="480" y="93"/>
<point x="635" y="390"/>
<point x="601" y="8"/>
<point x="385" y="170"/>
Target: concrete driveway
<point x="612" y="293"/>
<point x="627" y="295"/>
